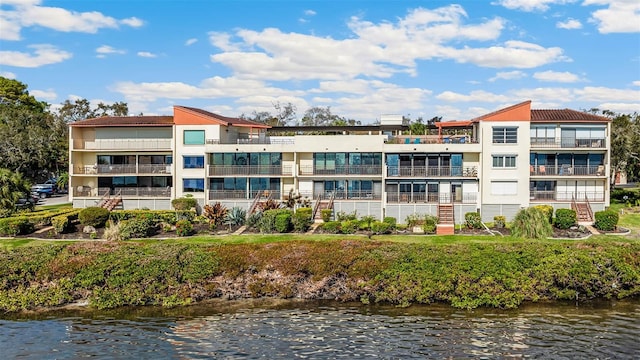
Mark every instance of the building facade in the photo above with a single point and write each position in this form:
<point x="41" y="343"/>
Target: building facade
<point x="495" y="164"/>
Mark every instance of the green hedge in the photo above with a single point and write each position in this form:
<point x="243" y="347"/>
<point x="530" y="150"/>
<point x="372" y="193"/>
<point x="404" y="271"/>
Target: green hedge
<point x="167" y="216"/>
<point x="93" y="216"/>
<point x="606" y="220"/>
<point x="566" y="218"/>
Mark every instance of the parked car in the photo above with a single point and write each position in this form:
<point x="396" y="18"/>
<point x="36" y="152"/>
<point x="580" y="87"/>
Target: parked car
<point x="43" y="190"/>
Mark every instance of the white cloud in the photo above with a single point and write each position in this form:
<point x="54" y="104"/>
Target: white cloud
<point x="622" y="108"/>
<point x="636" y="83"/>
<point x="44" y="54"/>
<point x="32" y="14"/>
<point x="105" y="50"/>
<point x="517" y="54"/>
<point x="605" y="94"/>
<point x="476" y="95"/>
<point x="530" y="5"/>
<point x="621" y="16"/>
<point x="569" y="24"/>
<point x="146" y="54"/>
<point x="556" y="76"/>
<point x="508" y="75"/>
<point x="7" y="74"/>
<point x="48" y="95"/>
<point x="190" y="42"/>
<point x="309" y="12"/>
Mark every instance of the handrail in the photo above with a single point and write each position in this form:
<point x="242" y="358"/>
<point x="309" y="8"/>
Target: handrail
<point x="333" y="196"/>
<point x="589" y="210"/>
<point x="254" y="204"/>
<point x="105" y="197"/>
<point x="316" y="206"/>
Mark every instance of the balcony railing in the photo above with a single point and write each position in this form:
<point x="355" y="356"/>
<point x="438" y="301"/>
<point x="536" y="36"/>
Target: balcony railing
<point x="86" y="191"/>
<point x="420" y="197"/>
<point x="342" y="170"/>
<point x="597" y="143"/>
<point x="567" y="170"/>
<point x="241" y="194"/>
<point x="432" y="139"/>
<point x="122" y="169"/>
<point x="125" y="144"/>
<point x="434" y="171"/>
<point x="281" y="140"/>
<point x="536" y="195"/>
<point x="224" y="170"/>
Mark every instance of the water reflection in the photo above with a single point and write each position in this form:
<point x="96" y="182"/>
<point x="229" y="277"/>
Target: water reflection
<point x="276" y="329"/>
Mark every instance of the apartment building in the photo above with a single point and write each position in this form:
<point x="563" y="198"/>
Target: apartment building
<point x="496" y="164"/>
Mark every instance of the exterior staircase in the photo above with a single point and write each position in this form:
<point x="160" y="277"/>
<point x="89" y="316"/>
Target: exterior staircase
<point x="446" y="222"/>
<point x="261" y="197"/>
<point x="584" y="213"/>
<point x="321" y="205"/>
<point x="108" y="202"/>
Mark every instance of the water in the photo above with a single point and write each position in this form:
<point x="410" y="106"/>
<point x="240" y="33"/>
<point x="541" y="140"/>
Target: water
<point x="317" y="330"/>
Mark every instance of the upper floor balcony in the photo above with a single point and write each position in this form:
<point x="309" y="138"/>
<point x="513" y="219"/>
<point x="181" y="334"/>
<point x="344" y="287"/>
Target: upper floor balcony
<point x="280" y="140"/>
<point x="122" y="144"/>
<point x="432" y="139"/>
<point x="122" y="169"/>
<point x="432" y="171"/>
<point x="567" y="170"/>
<point x="341" y="170"/>
<point x="258" y="170"/>
<point x="125" y="192"/>
<point x="563" y="143"/>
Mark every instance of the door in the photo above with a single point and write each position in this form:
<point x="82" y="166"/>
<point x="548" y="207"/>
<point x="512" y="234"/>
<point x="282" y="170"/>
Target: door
<point x="568" y="138"/>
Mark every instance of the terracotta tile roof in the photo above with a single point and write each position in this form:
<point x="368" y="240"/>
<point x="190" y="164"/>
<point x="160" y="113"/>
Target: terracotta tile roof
<point x="565" y="115"/>
<point x="225" y="120"/>
<point x="108" y="121"/>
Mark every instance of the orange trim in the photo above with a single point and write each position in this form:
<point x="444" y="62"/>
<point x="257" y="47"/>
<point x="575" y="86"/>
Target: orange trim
<point x="518" y="112"/>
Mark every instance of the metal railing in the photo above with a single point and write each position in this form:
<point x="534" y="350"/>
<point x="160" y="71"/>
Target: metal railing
<point x="125" y="144"/>
<point x="420" y="197"/>
<point x="342" y="170"/>
<point x="432" y="139"/>
<point x="223" y="170"/>
<point x="438" y="171"/>
<point x="280" y="140"/>
<point x="86" y="191"/>
<point x="597" y="143"/>
<point x="567" y="170"/>
<point x="241" y="194"/>
<point x="537" y="195"/>
<point x="122" y="169"/>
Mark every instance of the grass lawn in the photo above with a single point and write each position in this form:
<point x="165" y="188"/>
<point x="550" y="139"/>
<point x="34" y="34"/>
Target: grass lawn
<point x="51" y="207"/>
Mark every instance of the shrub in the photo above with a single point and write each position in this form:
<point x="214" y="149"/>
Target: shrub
<point x="391" y="221"/>
<point x="326" y="214"/>
<point x="565" y="218"/>
<point x="366" y="221"/>
<point x="413" y="220"/>
<point x="547" y="210"/>
<point x="184" y="228"/>
<point x="531" y="223"/>
<point x="302" y="219"/>
<point x="344" y="216"/>
<point x="184" y="203"/>
<point x="500" y="221"/>
<point x="380" y="227"/>
<point x="63" y="223"/>
<point x="16" y="226"/>
<point x="270" y="204"/>
<point x="113" y="232"/>
<point x="332" y="227"/>
<point x="139" y="227"/>
<point x="269" y="223"/>
<point x="216" y="214"/>
<point x="93" y="216"/>
<point x="624" y="196"/>
<point x="606" y="220"/>
<point x="235" y="217"/>
<point x="349" y="226"/>
<point x="430" y="224"/>
<point x="473" y="220"/>
<point x="283" y="222"/>
<point x="253" y="221"/>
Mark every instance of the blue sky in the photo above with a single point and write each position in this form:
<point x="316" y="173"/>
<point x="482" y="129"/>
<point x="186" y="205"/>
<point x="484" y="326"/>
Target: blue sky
<point x="361" y="58"/>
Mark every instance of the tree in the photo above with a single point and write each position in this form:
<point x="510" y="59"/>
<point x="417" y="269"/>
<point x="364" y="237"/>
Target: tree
<point x="81" y="109"/>
<point x="284" y="115"/>
<point x="322" y="116"/>
<point x="12" y="187"/>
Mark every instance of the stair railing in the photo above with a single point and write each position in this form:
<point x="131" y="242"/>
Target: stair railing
<point x="589" y="210"/>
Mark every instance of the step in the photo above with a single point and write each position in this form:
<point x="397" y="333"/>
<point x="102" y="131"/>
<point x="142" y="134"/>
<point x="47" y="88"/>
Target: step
<point x="445" y="229"/>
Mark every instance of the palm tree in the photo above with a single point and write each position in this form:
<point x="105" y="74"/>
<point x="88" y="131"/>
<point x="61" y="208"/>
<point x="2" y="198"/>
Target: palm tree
<point x="12" y="187"/>
<point x="62" y="181"/>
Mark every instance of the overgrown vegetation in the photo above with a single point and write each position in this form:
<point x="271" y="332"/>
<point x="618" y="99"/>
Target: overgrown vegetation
<point x="531" y="223"/>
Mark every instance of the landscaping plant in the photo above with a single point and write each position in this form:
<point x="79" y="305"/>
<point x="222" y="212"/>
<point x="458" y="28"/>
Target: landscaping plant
<point x="566" y="218"/>
<point x="531" y="223"/>
<point x="93" y="216"/>
<point x="606" y="220"/>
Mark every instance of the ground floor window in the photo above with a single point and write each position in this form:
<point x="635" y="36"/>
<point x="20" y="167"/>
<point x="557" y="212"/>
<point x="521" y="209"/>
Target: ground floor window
<point x="348" y="189"/>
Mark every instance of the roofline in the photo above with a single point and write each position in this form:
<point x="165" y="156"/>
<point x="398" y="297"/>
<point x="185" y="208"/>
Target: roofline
<point x="216" y="118"/>
<point x="508" y="108"/>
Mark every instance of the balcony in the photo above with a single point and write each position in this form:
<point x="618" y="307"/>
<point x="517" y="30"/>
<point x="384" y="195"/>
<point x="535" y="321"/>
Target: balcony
<point x="132" y="192"/>
<point x="230" y="170"/>
<point x="272" y="140"/>
<point x="342" y="170"/>
<point x="544" y="196"/>
<point x="552" y="143"/>
<point x="437" y="171"/>
<point x="420" y="197"/>
<point x="567" y="170"/>
<point x="240" y="194"/>
<point x="432" y="139"/>
<point x="122" y="169"/>
<point x="123" y="144"/>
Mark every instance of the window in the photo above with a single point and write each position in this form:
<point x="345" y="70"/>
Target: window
<point x="193" y="162"/>
<point x="193" y="185"/>
<point x="504" y="188"/>
<point x="504" y="161"/>
<point x="505" y="135"/>
<point x="194" y="137"/>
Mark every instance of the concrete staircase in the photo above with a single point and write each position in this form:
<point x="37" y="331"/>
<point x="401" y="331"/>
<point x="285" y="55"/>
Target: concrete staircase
<point x="446" y="222"/>
<point x="111" y="202"/>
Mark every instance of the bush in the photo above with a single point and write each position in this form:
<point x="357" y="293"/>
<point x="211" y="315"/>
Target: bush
<point x="531" y="223"/>
<point x="624" y="196"/>
<point x="547" y="210"/>
<point x="326" y="214"/>
<point x="349" y="226"/>
<point x="269" y="222"/>
<point x="391" y="221"/>
<point x="606" y="220"/>
<point x="500" y="221"/>
<point x="344" y="216"/>
<point x="473" y="220"/>
<point x="566" y="218"/>
<point x="332" y="227"/>
<point x="63" y="223"/>
<point x="379" y="227"/>
<point x="113" y="232"/>
<point x="283" y="222"/>
<point x="140" y="227"/>
<point x="253" y="221"/>
<point x="184" y="203"/>
<point x="184" y="228"/>
<point x="216" y="214"/>
<point x="366" y="221"/>
<point x="93" y="216"/>
<point x="235" y="217"/>
<point x="16" y="226"/>
<point x="430" y="224"/>
<point x="413" y="220"/>
<point x="302" y="219"/>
